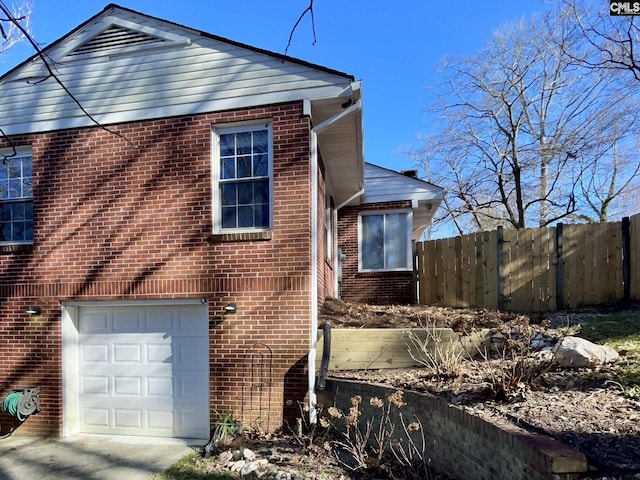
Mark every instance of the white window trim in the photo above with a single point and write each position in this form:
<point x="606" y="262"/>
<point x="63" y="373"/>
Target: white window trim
<point x="409" y="263"/>
<point x="18" y="152"/>
<point x="328" y="222"/>
<point x="237" y="127"/>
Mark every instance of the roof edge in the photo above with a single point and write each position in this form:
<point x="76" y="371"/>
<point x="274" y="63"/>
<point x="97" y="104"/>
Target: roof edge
<point x="407" y="177"/>
<point x="113" y="6"/>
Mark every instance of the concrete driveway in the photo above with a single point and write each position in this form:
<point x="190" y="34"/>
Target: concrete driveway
<point x="89" y="457"/>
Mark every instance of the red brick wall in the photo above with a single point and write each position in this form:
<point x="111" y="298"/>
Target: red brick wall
<point x="369" y="287"/>
<point x="326" y="279"/>
<point x="457" y="443"/>
<point x="120" y="220"/>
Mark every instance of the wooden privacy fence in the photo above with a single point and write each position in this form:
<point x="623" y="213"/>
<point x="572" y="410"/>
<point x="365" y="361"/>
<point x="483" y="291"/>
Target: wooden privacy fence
<point x="533" y="269"/>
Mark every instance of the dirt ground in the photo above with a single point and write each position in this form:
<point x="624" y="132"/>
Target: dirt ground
<point x="576" y="407"/>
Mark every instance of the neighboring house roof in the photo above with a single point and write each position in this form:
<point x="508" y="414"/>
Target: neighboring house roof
<point x="125" y="66"/>
<point x="384" y="185"/>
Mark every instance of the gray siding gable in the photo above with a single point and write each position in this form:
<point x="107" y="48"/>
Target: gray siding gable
<point x="383" y="185"/>
<point x="125" y="66"/>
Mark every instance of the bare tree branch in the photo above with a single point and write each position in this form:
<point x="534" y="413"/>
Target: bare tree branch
<point x="614" y="40"/>
<point x="308" y="10"/>
<point x="523" y="134"/>
<point x="10" y="34"/>
<point x="12" y="146"/>
<point x="52" y="74"/>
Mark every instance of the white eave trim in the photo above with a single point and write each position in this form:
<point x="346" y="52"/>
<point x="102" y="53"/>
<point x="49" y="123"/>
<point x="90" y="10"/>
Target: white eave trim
<point x="80" y="120"/>
<point x="330" y="121"/>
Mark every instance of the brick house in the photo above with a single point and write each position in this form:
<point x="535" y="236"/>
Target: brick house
<point x="168" y="262"/>
<point x="376" y="236"/>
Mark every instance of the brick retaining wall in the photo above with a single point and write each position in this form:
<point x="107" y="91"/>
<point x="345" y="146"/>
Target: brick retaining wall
<point x="467" y="447"/>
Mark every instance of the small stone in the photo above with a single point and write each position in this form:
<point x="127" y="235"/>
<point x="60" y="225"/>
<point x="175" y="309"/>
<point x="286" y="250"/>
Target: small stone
<point x="543" y="355"/>
<point x="237" y="466"/>
<point x="237" y="455"/>
<point x="225" y="456"/>
<point x="255" y="469"/>
<point x="208" y="450"/>
<point x="248" y="455"/>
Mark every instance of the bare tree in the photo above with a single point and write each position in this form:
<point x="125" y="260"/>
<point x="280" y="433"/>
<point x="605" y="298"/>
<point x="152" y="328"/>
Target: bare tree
<point x="615" y="193"/>
<point x="14" y="21"/>
<point x="612" y="41"/>
<point x="15" y="26"/>
<point x="524" y="133"/>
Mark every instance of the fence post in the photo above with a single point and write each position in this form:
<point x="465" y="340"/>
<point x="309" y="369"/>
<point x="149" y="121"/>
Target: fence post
<point x="414" y="283"/>
<point x="559" y="269"/>
<point x="626" y="258"/>
<point x="500" y="269"/>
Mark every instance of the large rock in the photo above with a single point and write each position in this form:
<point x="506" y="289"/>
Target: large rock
<point x="576" y="352"/>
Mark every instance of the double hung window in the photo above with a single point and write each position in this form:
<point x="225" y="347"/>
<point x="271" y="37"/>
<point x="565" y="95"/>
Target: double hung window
<point x="243" y="173"/>
<point x="16" y="198"/>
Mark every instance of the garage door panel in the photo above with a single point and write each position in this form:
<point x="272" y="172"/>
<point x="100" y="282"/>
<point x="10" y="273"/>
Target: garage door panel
<point x="95" y="417"/>
<point x="160" y="321"/>
<point x="186" y="354"/>
<point x="159" y="386"/>
<point x="98" y="352"/>
<point x="159" y="352"/>
<point x="94" y="385"/>
<point x="95" y="321"/>
<point x="144" y="370"/>
<point x="123" y="352"/>
<point x="191" y="422"/>
<point x="160" y="419"/>
<point x="127" y="386"/>
<point x="127" y="321"/>
<point x="127" y="418"/>
<point x="189" y="388"/>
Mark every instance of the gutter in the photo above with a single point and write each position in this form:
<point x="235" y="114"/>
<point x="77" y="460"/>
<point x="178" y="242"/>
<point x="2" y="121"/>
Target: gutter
<point x="352" y="197"/>
<point x="315" y="131"/>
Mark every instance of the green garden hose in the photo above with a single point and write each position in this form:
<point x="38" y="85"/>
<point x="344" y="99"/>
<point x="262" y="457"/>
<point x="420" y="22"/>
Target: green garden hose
<point x="10" y="405"/>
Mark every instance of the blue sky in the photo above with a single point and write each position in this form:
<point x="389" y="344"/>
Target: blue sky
<point x="393" y="47"/>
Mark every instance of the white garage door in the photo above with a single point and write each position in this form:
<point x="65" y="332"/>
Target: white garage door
<point x="144" y="370"/>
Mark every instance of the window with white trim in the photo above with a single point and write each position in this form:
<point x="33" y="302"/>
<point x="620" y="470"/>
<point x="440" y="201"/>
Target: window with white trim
<point x="16" y="198"/>
<point x="328" y="226"/>
<point x="243" y="178"/>
<point x="385" y="241"/>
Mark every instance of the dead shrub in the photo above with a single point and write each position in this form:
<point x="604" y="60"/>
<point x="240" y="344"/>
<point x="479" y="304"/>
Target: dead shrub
<point x="438" y="351"/>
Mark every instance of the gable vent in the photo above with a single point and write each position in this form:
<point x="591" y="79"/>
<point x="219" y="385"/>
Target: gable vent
<point x="114" y="38"/>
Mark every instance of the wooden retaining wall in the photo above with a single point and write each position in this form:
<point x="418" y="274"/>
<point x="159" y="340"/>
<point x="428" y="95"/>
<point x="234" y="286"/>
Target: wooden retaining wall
<point x="373" y="348"/>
